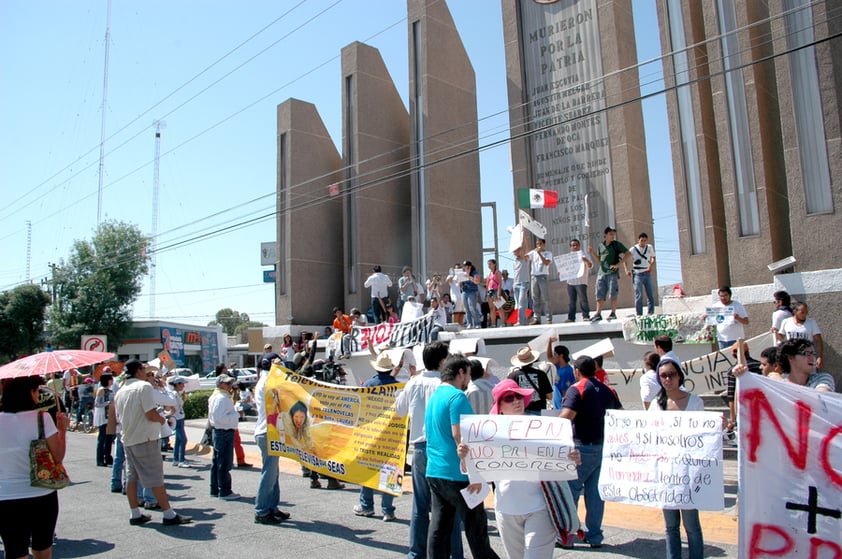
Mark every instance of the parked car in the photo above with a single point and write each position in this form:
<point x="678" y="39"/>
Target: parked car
<point x="246" y="376"/>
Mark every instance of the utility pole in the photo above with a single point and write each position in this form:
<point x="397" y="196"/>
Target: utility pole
<point x="104" y="110"/>
<point x="28" y="250"/>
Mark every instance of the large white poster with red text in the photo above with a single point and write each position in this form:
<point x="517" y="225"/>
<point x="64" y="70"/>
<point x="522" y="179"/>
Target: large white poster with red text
<point x="790" y="471"/>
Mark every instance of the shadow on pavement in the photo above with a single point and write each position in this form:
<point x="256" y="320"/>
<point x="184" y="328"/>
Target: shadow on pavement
<point x="64" y="547"/>
<point x="345" y="533"/>
<point x="641" y="548"/>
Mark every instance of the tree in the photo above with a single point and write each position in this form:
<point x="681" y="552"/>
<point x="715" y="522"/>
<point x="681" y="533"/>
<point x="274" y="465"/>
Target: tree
<point x="22" y="315"/>
<point x="234" y="323"/>
<point x="95" y="288"/>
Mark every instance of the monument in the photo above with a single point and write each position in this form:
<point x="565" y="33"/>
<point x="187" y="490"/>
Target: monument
<point x="572" y="73"/>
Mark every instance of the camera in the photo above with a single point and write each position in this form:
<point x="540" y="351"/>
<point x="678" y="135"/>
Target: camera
<point x="637" y="261"/>
<point x="325" y="371"/>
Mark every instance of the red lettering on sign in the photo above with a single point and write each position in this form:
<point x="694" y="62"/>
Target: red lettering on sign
<point x="778" y="541"/>
<point x="757" y="406"/>
<point x="824" y="456"/>
<point x="817" y="543"/>
<point x="482" y="430"/>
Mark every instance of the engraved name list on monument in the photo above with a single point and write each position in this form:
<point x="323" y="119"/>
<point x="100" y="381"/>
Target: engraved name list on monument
<point x="565" y="92"/>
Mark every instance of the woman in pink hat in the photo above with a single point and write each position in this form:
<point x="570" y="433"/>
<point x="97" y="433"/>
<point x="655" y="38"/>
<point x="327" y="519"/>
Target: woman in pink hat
<point x="523" y="519"/>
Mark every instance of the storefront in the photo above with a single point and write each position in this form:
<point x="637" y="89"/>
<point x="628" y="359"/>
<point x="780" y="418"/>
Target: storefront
<point x="199" y="348"/>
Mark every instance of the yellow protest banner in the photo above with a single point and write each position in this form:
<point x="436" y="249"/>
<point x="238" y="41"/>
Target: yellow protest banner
<point x="349" y="433"/>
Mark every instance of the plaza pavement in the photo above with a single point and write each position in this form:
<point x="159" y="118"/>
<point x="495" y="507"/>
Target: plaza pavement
<point x="93" y="522"/>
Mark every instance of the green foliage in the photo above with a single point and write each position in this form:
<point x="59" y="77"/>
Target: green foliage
<point x="22" y="315"/>
<point x="196" y="404"/>
<point x="95" y="288"/>
<point x="234" y="323"/>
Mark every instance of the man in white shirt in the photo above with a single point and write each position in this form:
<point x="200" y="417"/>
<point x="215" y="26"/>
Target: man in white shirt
<point x="439" y="318"/>
<point x="379" y="284"/>
<point x="643" y="257"/>
<point x="731" y="328"/>
<point x="268" y="496"/>
<point x="577" y="288"/>
<point x="540" y="260"/>
<point x="783" y="310"/>
<point x="141" y="423"/>
<point x="479" y="389"/>
<point x="224" y="419"/>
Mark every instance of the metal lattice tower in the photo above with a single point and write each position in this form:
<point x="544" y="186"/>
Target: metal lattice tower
<point x="159" y="125"/>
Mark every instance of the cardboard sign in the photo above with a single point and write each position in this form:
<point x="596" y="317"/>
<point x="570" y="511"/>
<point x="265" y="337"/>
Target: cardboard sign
<point x="518" y="447"/>
<point x="790" y="480"/>
<point x="668" y="460"/>
<point x="570" y="266"/>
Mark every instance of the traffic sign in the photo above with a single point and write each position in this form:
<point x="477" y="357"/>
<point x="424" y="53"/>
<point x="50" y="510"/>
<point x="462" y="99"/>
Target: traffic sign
<point x="95" y="342"/>
<point x="269" y="275"/>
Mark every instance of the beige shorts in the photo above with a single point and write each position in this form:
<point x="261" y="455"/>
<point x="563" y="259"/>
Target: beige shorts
<point x="143" y="462"/>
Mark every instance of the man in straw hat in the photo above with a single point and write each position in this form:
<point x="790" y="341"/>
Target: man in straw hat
<point x="527" y="376"/>
<point x="384" y="366"/>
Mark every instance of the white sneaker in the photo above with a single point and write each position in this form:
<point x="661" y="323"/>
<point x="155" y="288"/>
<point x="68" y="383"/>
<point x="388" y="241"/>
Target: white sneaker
<point x="184" y="465"/>
<point x="230" y="497"/>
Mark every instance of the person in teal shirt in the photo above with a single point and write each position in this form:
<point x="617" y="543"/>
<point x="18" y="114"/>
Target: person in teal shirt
<point x="444" y="473"/>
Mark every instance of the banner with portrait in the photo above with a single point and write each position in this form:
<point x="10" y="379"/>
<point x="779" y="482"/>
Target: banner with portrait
<point x="348" y="433"/>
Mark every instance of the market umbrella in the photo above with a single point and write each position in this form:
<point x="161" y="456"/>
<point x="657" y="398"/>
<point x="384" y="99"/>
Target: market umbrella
<point x="52" y="362"/>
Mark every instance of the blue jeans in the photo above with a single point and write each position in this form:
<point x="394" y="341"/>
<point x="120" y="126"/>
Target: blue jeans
<point x="473" y="315"/>
<point x="180" y="442"/>
<point x="268" y="491"/>
<point x="695" y="542"/>
<point x="448" y="504"/>
<point x="145" y="495"/>
<point x="419" y="523"/>
<point x="83" y="405"/>
<point x="643" y="282"/>
<point x="377" y="311"/>
<point x="118" y="466"/>
<point x="580" y="293"/>
<point x="223" y="460"/>
<point x="541" y="297"/>
<point x="367" y="500"/>
<point x="521" y="297"/>
<point x="588" y="480"/>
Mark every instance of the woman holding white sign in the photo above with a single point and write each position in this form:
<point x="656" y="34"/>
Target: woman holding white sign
<point x="523" y="519"/>
<point x="673" y="397"/>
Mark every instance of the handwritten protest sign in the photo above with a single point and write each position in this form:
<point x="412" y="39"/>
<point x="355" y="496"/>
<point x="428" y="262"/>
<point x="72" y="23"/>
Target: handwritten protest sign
<point x="683" y="328"/>
<point x="717" y="315"/>
<point x="518" y="447"/>
<point x="352" y="434"/>
<point x="707" y="373"/>
<point x="569" y="266"/>
<point x="790" y="480"/>
<point x="401" y="334"/>
<point x="669" y="460"/>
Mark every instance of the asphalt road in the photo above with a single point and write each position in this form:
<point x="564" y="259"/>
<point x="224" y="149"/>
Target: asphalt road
<point x="93" y="522"/>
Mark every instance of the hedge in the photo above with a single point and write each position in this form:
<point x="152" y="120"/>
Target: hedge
<point x="196" y="404"/>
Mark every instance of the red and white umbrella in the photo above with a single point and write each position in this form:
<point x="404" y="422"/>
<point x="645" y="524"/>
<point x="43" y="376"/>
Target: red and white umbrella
<point x="52" y="362"/>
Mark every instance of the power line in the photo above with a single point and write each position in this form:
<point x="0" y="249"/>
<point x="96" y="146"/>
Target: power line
<point x="403" y="172"/>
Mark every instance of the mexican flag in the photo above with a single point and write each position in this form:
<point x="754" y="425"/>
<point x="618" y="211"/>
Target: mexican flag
<point x="534" y="198"/>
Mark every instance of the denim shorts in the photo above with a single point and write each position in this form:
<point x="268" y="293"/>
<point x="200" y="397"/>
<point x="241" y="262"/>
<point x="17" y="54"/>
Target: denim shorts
<point x="607" y="284"/>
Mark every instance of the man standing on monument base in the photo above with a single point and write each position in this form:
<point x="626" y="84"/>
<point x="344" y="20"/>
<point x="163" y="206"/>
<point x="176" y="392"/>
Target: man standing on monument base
<point x="611" y="254"/>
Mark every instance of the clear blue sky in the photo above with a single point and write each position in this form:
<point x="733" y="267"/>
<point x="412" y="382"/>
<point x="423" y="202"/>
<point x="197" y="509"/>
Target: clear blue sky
<point x="218" y="148"/>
